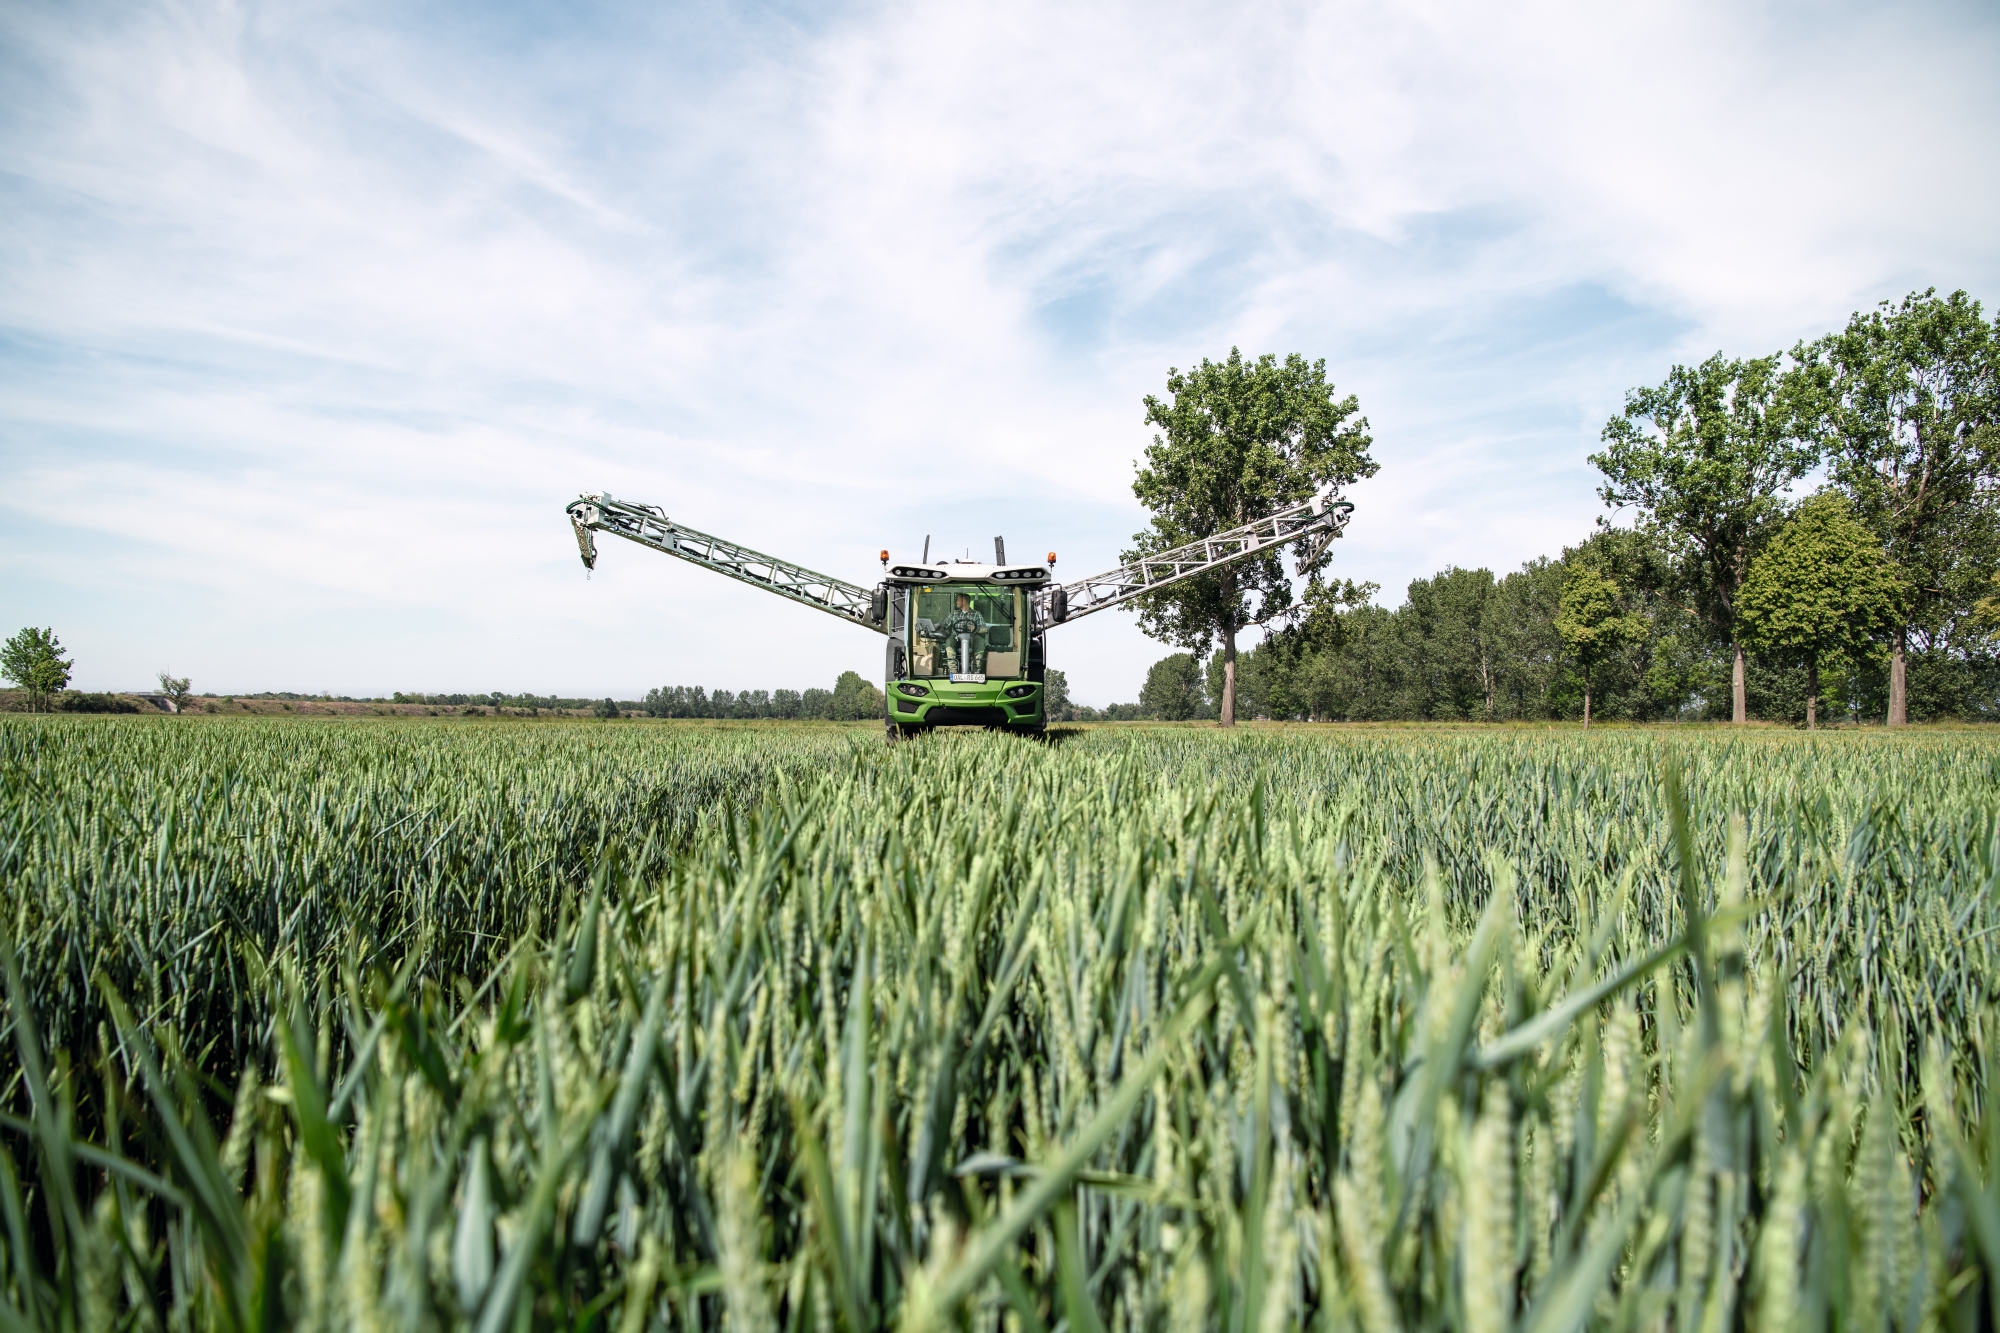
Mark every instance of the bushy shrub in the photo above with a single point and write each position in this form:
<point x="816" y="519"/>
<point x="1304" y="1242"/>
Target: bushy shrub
<point x="79" y="702"/>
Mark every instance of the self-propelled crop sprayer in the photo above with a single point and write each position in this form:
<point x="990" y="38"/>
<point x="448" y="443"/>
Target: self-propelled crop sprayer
<point x="966" y="639"/>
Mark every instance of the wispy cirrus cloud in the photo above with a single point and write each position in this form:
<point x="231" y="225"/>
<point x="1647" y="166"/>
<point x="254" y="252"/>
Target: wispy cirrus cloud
<point x="312" y="317"/>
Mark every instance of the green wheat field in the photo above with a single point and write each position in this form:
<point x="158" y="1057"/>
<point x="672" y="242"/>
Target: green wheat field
<point x="567" y="1025"/>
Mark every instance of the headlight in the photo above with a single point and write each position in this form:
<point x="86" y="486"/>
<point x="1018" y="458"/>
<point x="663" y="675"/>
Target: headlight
<point x="1019" y="691"/>
<point x="918" y="690"/>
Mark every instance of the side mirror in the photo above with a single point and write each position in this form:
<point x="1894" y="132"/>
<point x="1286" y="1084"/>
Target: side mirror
<point x="1059" y="605"/>
<point x="878" y="606"/>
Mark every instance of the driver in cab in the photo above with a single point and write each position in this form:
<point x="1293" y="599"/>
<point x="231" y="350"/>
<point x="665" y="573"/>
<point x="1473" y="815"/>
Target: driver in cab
<point x="963" y="621"/>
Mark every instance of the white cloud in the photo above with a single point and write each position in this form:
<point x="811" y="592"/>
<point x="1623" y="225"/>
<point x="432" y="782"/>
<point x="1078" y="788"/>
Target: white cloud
<point x="318" y="314"/>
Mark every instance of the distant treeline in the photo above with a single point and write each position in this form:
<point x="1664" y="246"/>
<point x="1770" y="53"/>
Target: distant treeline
<point x="493" y="700"/>
<point x="538" y="702"/>
<point x="1467" y="645"/>
<point x="851" y="699"/>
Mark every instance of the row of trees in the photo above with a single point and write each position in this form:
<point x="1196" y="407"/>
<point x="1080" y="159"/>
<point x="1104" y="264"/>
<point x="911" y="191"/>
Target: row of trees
<point x="496" y="699"/>
<point x="851" y="699"/>
<point x="1898" y="415"/>
<point x="1599" y="629"/>
<point x="1827" y="511"/>
<point x="35" y="660"/>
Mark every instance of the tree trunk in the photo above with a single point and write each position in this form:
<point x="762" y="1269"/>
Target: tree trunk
<point x="1812" y="693"/>
<point x="1739" y="701"/>
<point x="1229" y="678"/>
<point x="1899" y="681"/>
<point x="1586" y="705"/>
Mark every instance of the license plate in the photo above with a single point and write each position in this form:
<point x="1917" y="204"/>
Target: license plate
<point x="969" y="680"/>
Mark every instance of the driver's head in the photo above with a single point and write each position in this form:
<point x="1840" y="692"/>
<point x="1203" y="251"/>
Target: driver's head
<point x="964" y="602"/>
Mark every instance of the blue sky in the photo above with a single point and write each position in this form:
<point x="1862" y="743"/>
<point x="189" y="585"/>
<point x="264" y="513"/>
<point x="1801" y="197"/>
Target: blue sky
<point x="313" y="316"/>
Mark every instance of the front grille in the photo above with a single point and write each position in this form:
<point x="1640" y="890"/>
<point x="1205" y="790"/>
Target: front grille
<point x="943" y="715"/>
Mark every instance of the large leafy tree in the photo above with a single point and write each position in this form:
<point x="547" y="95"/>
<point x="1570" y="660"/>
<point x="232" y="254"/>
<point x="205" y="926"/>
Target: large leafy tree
<point x="1906" y="402"/>
<point x="1706" y="459"/>
<point x="1595" y="623"/>
<point x="34" y="660"/>
<point x="1820" y="588"/>
<point x="1238" y="440"/>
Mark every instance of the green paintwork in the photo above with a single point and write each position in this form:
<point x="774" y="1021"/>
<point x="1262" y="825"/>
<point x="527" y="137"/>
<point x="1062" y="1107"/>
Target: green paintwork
<point x="915" y="712"/>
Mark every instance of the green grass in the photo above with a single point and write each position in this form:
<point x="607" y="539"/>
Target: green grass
<point x="625" y="1026"/>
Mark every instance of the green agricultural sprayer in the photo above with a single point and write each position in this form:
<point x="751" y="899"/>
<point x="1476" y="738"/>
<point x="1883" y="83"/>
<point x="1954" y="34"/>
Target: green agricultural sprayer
<point x="967" y="640"/>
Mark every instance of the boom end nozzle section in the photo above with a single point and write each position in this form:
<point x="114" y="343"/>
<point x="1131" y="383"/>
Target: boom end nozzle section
<point x="586" y="515"/>
<point x="1329" y="501"/>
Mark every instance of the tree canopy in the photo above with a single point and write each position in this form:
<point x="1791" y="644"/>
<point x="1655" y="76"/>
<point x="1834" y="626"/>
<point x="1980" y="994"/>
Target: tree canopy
<point x="1239" y="440"/>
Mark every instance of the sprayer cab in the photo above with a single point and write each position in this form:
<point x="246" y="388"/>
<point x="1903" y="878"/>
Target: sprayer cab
<point x="964" y="645"/>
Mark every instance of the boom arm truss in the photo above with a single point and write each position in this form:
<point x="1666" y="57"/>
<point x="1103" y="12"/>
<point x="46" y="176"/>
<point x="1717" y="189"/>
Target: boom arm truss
<point x="1316" y="521"/>
<point x="651" y="528"/>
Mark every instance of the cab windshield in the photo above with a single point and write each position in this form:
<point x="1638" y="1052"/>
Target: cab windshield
<point x="967" y="629"/>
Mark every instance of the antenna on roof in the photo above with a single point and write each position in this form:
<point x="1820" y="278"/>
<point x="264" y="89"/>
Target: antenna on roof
<point x="927" y="550"/>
